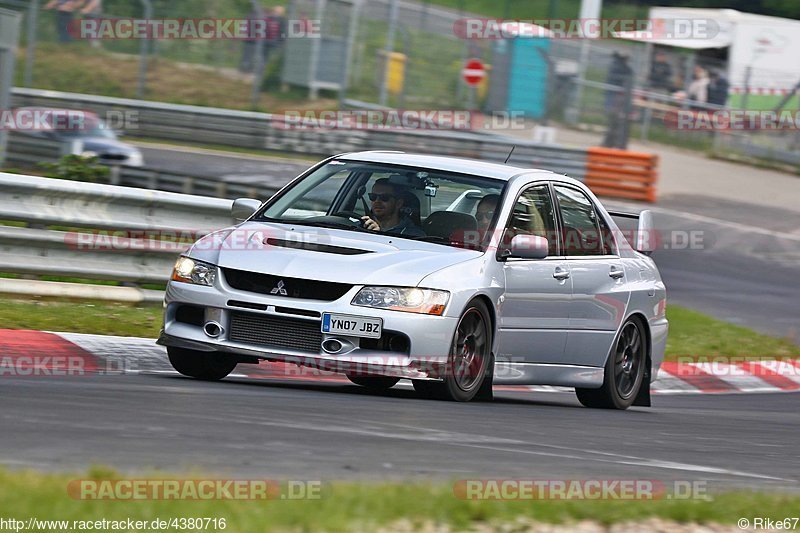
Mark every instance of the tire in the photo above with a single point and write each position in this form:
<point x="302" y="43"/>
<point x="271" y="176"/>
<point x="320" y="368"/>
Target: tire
<point x="624" y="371"/>
<point x="375" y="383"/>
<point x="467" y="371"/>
<point x="208" y="366"/>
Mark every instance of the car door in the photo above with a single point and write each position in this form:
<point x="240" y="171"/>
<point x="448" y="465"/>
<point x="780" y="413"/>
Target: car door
<point x="534" y="316"/>
<point x="600" y="293"/>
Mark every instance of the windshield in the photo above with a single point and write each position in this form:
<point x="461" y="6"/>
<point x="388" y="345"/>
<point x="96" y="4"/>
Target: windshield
<point x="94" y="130"/>
<point x="414" y="203"/>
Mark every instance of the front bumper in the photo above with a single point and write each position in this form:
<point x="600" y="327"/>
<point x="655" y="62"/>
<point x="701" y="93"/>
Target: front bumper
<point x="421" y="357"/>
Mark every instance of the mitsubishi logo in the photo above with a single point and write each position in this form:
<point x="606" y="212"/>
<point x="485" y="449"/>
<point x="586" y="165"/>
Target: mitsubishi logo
<point x="279" y="289"/>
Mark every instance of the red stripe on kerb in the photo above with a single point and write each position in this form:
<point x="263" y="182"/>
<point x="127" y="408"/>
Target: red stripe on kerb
<point x="768" y="375"/>
<point x="39" y="345"/>
<point x="696" y="377"/>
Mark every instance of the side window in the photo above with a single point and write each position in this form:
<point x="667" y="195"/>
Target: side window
<point x="609" y="247"/>
<point x="534" y="215"/>
<point x="579" y="223"/>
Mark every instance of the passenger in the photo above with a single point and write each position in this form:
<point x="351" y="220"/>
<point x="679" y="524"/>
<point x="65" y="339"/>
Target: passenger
<point x="485" y="213"/>
<point x="386" y="215"/>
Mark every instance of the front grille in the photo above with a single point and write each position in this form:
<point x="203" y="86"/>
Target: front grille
<point x="276" y="332"/>
<point x="283" y="286"/>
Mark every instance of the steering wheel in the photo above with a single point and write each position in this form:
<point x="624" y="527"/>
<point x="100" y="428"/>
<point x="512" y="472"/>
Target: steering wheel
<point x="350" y="215"/>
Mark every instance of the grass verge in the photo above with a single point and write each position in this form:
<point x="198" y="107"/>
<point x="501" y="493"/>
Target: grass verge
<point x="692" y="334"/>
<point x="367" y="506"/>
<point x="65" y="68"/>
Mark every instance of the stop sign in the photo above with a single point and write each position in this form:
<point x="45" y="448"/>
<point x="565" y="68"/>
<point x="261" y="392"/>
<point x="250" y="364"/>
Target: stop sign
<point x="473" y="71"/>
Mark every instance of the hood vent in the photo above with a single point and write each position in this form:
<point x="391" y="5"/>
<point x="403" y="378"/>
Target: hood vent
<point x="315" y="247"/>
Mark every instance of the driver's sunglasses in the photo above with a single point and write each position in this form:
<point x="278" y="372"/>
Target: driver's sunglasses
<point x="486" y="215"/>
<point x="384" y="197"/>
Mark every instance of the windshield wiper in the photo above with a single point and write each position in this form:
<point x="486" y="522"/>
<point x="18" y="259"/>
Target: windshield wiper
<point x="325" y="224"/>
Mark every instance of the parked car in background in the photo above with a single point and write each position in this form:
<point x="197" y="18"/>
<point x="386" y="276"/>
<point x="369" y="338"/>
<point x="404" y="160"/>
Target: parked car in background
<point x="87" y="133"/>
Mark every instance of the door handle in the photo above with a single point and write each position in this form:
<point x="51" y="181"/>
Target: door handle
<point x="561" y="274"/>
<point x="616" y="272"/>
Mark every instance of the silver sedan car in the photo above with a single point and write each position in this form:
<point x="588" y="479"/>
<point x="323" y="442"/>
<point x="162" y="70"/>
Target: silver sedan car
<point x="453" y="273"/>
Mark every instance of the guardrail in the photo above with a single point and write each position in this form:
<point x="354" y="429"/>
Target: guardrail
<point x="264" y="131"/>
<point x="104" y="232"/>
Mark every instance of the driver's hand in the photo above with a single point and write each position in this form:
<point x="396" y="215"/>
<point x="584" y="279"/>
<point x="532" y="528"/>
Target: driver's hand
<point x="370" y="224"/>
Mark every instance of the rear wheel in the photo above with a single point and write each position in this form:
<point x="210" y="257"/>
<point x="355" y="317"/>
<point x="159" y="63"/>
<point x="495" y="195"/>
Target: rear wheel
<point x="467" y="370"/>
<point x="376" y="383"/>
<point x="209" y="366"/>
<point x="624" y="371"/>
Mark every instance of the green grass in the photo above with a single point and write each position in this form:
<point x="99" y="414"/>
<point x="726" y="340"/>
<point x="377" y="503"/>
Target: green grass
<point x="100" y="318"/>
<point x="365" y="506"/>
<point x="691" y="335"/>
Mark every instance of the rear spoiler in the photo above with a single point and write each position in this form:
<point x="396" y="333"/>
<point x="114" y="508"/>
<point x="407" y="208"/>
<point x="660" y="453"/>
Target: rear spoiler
<point x="644" y="240"/>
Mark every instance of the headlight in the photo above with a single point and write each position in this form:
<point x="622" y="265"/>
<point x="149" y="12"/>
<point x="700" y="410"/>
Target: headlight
<point x="135" y="159"/>
<point x="409" y="299"/>
<point x="192" y="271"/>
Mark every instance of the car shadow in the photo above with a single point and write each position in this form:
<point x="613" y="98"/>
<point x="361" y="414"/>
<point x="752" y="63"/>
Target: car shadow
<point x="564" y="400"/>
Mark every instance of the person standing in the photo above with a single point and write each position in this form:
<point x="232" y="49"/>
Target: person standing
<point x="718" y="88"/>
<point x="698" y="89"/>
<point x="64" y="13"/>
<point x="660" y="77"/>
<point x="93" y="9"/>
<point x="620" y="75"/>
<point x="253" y="39"/>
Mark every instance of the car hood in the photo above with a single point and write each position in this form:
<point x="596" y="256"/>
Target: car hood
<point x="324" y="254"/>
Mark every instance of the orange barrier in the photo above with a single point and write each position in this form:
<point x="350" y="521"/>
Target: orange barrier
<point x="621" y="174"/>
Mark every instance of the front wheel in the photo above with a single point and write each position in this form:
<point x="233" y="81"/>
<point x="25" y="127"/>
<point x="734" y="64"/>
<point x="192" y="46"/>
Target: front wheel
<point x="467" y="370"/>
<point x="208" y="366"/>
<point x="624" y="371"/>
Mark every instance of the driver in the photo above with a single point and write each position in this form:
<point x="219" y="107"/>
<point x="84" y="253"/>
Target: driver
<point x="387" y="202"/>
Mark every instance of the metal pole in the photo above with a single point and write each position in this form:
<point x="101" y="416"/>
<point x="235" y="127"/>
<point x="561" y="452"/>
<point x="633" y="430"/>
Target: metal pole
<point x="8" y="42"/>
<point x="143" y="51"/>
<point x="388" y="50"/>
<point x="590" y="9"/>
<point x="258" y="63"/>
<point x="351" y="39"/>
<point x="30" y="45"/>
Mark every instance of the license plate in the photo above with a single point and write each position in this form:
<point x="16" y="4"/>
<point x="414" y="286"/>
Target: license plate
<point x="353" y="326"/>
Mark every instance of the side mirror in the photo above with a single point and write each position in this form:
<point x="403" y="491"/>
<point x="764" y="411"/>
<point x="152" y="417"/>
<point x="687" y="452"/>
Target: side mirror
<point x="243" y="208"/>
<point x="645" y="233"/>
<point x="529" y="247"/>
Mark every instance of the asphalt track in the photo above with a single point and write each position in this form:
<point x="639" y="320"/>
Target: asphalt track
<point x="332" y="431"/>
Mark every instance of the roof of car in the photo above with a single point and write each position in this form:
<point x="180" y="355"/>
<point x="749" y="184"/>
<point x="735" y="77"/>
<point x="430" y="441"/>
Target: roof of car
<point x="449" y="164"/>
